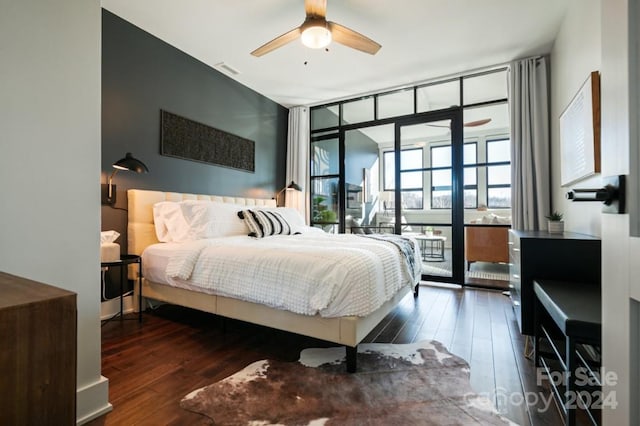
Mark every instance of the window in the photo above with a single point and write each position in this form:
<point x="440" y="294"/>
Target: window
<point x="499" y="173"/>
<point x="324" y="116"/>
<point x="426" y="175"/>
<point x="441" y="181"/>
<point x="324" y="182"/>
<point x="324" y="157"/>
<point x="411" y="164"/>
<point x="440" y="95"/>
<point x="470" y="160"/>
<point x="485" y="87"/>
<point x="395" y="103"/>
<point x="357" y="111"/>
<point x="441" y="178"/>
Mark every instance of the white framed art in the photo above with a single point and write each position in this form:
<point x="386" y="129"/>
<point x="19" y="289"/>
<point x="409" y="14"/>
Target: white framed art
<point x="580" y="133"/>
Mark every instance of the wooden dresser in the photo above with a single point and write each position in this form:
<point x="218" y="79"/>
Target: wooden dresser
<point x="37" y="353"/>
<point x="533" y="255"/>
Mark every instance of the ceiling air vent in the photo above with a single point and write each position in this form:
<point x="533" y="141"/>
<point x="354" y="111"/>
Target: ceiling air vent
<point x="227" y="69"/>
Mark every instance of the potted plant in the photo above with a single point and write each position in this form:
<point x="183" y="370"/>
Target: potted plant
<point x="321" y="214"/>
<point x="555" y="223"/>
<point x="428" y="231"/>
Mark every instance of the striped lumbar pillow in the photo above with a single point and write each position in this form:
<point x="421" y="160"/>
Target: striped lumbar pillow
<point x="263" y="223"/>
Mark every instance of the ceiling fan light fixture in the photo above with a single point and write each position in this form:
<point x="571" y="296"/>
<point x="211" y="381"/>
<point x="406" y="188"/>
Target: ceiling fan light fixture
<point x="317" y="33"/>
<point x="316" y="36"/>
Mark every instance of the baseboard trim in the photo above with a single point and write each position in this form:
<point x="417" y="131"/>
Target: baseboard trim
<point x="92" y="401"/>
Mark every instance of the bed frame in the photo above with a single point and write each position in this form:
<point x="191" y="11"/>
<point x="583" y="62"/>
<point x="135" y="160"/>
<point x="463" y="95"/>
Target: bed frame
<point x="348" y="331"/>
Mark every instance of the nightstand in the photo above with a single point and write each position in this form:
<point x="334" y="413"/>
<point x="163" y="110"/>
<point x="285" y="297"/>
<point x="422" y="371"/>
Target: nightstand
<point x="122" y="263"/>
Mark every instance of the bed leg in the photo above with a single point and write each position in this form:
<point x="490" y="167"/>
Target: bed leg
<point x="416" y="290"/>
<point x="352" y="352"/>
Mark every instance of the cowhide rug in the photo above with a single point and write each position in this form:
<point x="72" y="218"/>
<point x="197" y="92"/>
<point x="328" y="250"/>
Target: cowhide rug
<point x="412" y="384"/>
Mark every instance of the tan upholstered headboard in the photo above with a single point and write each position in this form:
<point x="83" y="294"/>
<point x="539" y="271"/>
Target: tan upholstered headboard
<point x="141" y="231"/>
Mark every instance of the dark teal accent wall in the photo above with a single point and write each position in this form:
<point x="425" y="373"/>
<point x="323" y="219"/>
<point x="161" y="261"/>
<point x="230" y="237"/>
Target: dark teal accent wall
<point x="141" y="75"/>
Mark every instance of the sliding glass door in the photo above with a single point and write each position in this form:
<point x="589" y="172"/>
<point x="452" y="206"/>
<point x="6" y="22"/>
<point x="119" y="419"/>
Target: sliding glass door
<point x="427" y="183"/>
<point x="364" y="211"/>
<point x="431" y="161"/>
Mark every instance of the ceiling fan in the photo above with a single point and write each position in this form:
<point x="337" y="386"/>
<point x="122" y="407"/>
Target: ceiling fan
<point x="316" y="32"/>
<point x="475" y="123"/>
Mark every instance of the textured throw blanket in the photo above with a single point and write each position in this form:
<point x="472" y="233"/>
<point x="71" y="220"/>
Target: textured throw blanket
<point x="408" y="248"/>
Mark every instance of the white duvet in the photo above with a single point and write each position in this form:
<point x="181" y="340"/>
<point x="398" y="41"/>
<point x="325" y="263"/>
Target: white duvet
<point x="314" y="273"/>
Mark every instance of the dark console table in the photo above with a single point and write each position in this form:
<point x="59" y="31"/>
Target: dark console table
<point x="567" y="257"/>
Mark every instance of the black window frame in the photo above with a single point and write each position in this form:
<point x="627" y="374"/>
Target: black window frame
<point x="449" y="188"/>
<point x="404" y="190"/>
<point x="466" y="166"/>
<point x="330" y="137"/>
<point x="494" y="164"/>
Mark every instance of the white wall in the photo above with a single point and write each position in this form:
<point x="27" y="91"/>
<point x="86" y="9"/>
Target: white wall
<point x="595" y="36"/>
<point x="620" y="253"/>
<point x="575" y="53"/>
<point x="50" y="162"/>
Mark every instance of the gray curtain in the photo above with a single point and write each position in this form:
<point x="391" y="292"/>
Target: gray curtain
<point x="530" y="165"/>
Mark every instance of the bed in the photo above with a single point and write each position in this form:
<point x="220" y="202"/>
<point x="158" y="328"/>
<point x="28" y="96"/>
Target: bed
<point x="347" y="330"/>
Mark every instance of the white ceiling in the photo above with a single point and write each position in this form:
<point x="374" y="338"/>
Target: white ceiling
<point x="421" y="40"/>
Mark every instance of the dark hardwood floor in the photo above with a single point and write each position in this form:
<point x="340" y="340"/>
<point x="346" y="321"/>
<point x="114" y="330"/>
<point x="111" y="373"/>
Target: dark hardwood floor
<point x="150" y="367"/>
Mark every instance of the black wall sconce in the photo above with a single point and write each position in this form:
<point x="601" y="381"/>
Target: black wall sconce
<point x="291" y="187"/>
<point x="612" y="194"/>
<point x="108" y="190"/>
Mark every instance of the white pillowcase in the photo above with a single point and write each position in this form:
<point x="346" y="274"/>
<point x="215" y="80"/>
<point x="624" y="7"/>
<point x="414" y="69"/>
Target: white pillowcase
<point x="210" y="219"/>
<point x="291" y="215"/>
<point x="494" y="219"/>
<point x="169" y="222"/>
<point x="196" y="219"/>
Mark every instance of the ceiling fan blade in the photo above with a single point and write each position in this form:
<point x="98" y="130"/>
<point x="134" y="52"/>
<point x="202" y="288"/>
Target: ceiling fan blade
<point x="353" y="39"/>
<point x="467" y="124"/>
<point x="316" y="8"/>
<point x="277" y="42"/>
<point x="477" y="122"/>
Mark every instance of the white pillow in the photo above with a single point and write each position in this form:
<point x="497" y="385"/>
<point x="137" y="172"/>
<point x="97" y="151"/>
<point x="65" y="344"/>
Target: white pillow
<point x="488" y="219"/>
<point x="503" y="220"/>
<point x="309" y="230"/>
<point x="493" y="219"/>
<point x="291" y="215"/>
<point x="169" y="222"/>
<point x="210" y="219"/>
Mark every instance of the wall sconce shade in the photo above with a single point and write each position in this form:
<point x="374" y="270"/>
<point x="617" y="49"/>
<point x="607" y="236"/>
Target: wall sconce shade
<point x="130" y="163"/>
<point x="108" y="190"/>
<point x="291" y="187"/>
